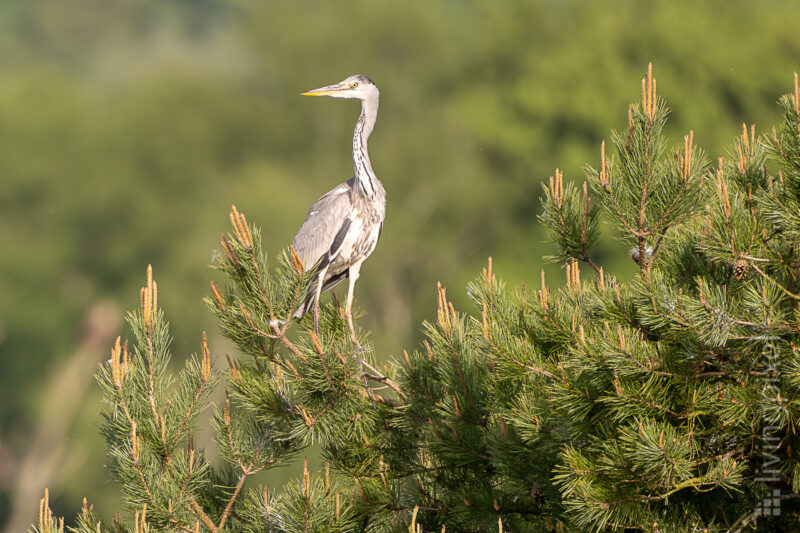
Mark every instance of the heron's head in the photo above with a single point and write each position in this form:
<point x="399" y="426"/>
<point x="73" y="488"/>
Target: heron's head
<point x="355" y="86"/>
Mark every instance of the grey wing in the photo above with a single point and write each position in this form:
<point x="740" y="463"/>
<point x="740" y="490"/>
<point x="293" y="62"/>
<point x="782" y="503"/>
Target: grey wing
<point x="325" y="226"/>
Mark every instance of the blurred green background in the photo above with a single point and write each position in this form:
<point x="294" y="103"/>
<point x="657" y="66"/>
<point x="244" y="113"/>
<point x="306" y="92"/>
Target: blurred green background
<point x="129" y="127"/>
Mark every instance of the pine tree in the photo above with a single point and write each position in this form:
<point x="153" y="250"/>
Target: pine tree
<point x="665" y="403"/>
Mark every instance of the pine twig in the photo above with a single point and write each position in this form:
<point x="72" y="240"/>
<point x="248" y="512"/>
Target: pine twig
<point x="766" y="276"/>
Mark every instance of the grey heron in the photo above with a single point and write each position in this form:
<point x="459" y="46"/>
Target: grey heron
<point x="342" y="228"/>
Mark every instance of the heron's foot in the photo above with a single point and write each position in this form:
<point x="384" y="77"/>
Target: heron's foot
<point x="357" y="353"/>
<point x="369" y="392"/>
<point x="273" y="323"/>
<point x="358" y="350"/>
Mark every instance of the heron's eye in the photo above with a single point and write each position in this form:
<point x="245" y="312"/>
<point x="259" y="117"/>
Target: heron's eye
<point x="355" y="84"/>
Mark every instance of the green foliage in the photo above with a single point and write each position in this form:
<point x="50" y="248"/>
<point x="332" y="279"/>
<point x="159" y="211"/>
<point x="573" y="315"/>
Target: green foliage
<point x="313" y="504"/>
<point x="680" y="374"/>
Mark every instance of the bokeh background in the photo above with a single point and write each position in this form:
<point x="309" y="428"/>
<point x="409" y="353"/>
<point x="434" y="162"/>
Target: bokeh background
<point x="129" y="127"/>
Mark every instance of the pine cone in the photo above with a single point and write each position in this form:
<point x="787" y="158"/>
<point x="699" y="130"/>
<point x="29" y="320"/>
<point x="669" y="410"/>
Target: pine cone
<point x="741" y="269"/>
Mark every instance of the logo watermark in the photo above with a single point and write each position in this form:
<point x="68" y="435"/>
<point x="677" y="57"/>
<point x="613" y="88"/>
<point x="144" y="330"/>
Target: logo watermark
<point x="768" y="472"/>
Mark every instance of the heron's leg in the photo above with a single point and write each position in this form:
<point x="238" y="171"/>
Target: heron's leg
<point x="317" y="296"/>
<point x="353" y="274"/>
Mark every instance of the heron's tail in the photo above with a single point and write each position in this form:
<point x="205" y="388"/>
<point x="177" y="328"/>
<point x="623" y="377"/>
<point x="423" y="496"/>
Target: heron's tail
<point x="303" y="308"/>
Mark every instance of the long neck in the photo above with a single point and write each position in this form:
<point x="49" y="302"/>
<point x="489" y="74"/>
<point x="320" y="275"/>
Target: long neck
<point x="361" y="163"/>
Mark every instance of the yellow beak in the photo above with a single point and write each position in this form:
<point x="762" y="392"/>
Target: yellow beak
<point x="326" y="91"/>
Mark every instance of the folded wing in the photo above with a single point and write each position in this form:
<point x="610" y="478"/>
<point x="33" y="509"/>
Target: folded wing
<point x="320" y="237"/>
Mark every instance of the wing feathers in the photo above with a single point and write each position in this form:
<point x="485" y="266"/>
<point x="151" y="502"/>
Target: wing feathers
<point x="325" y="226"/>
<point x="339" y="239"/>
